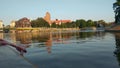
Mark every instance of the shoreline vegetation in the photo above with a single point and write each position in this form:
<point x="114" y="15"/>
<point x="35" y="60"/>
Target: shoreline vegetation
<point x="20" y="30"/>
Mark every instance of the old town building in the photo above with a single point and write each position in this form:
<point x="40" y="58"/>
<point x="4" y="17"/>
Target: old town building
<point x="48" y="18"/>
<point x="59" y="22"/>
<point x="12" y="24"/>
<point x="1" y="24"/>
<point x="24" y="22"/>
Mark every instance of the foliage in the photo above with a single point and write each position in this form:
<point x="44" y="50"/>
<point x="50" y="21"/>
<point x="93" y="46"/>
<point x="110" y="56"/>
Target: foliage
<point x="53" y="25"/>
<point x="116" y="8"/>
<point x="117" y="2"/>
<point x="80" y="23"/>
<point x="39" y="22"/>
<point x="90" y="23"/>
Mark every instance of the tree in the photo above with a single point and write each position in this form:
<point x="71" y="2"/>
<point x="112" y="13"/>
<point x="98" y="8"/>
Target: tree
<point x="90" y="23"/>
<point x="116" y="8"/>
<point x="39" y="22"/>
<point x="53" y="25"/>
<point x="81" y="23"/>
<point x="73" y="24"/>
<point x="101" y="23"/>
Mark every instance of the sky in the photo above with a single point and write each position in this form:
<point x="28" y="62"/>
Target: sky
<point x="59" y="9"/>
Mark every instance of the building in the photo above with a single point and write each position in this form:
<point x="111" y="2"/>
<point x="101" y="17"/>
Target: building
<point x="12" y="24"/>
<point x="59" y="22"/>
<point x="1" y="24"/>
<point x="24" y="22"/>
<point x="48" y="18"/>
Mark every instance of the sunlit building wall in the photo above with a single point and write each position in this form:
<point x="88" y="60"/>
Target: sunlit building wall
<point x="1" y="24"/>
<point x="24" y="22"/>
<point x="59" y="22"/>
<point x="12" y="24"/>
<point x="48" y="18"/>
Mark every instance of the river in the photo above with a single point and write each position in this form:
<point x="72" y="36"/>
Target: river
<point x="69" y="49"/>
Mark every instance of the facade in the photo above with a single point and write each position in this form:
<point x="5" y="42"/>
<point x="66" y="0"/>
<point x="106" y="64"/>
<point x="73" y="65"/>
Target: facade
<point x="59" y="22"/>
<point x="24" y="22"/>
<point x="48" y="18"/>
<point x="12" y="24"/>
<point x="1" y="24"/>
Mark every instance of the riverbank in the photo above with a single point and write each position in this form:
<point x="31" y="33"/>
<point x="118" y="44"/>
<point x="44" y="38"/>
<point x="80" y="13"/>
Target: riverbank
<point x="19" y="30"/>
<point x="114" y="28"/>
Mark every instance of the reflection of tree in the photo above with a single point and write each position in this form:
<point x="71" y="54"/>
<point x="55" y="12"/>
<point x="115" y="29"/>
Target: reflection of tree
<point x="40" y="37"/>
<point x="117" y="51"/>
<point x="62" y="37"/>
<point x="24" y="38"/>
<point x="84" y="35"/>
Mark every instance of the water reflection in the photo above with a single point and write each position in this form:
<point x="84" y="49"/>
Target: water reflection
<point x="117" y="51"/>
<point x="49" y="43"/>
<point x="84" y="35"/>
<point x="46" y="39"/>
<point x="65" y="48"/>
<point x="27" y="38"/>
<point x="1" y="35"/>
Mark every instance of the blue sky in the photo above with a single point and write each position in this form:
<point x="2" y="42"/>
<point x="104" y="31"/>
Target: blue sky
<point x="59" y="9"/>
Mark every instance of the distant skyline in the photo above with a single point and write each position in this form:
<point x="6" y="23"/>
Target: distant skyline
<point x="59" y="9"/>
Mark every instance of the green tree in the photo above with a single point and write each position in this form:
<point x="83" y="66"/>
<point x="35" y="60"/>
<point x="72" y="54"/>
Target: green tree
<point x="116" y="8"/>
<point x="102" y="22"/>
<point x="39" y="22"/>
<point x="81" y="23"/>
<point x="73" y="24"/>
<point x="90" y="23"/>
<point x="63" y="25"/>
<point x="53" y="25"/>
<point x="117" y="3"/>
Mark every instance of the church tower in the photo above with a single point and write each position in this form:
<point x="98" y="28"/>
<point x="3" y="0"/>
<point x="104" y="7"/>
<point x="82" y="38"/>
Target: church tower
<point x="48" y="18"/>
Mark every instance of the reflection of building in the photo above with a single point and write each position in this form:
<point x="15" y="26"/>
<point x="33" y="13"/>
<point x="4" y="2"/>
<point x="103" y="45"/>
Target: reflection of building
<point x="1" y="35"/>
<point x="1" y="24"/>
<point x="24" y="38"/>
<point x="49" y="45"/>
<point x="48" y="18"/>
<point x="24" y="22"/>
<point x="13" y="37"/>
<point x="12" y="24"/>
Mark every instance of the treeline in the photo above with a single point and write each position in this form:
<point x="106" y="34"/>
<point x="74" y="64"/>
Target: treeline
<point x="39" y="22"/>
<point x="81" y="23"/>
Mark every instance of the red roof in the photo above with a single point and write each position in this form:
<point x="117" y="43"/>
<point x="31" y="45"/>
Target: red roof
<point x="62" y="21"/>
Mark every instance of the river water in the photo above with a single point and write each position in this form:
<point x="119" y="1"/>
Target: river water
<point x="69" y="49"/>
